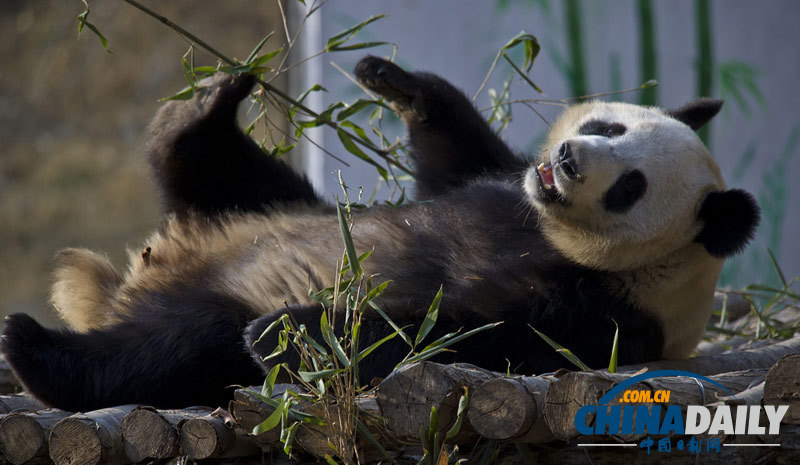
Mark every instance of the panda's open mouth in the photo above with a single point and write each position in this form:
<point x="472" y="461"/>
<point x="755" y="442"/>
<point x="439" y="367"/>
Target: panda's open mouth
<point x="547" y="183"/>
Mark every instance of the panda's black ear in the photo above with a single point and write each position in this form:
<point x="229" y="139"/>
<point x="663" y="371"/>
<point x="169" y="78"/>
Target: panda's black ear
<point x="729" y="222"/>
<point x="696" y="113"/>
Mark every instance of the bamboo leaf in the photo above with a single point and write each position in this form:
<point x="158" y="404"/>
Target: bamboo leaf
<point x="342" y="37"/>
<point x="612" y="364"/>
<point x="269" y="381"/>
<point x="333" y="342"/>
<point x="83" y="21"/>
<point x="430" y="318"/>
<point x="287" y="437"/>
<point x="375" y="345"/>
<point x="351" y="147"/>
<point x="376" y="291"/>
<point x="532" y="48"/>
<point x="778" y="268"/>
<point x="426" y="354"/>
<point x="184" y="94"/>
<point x="282" y="319"/>
<point x="311" y="376"/>
<point x="205" y="70"/>
<point x="271" y="421"/>
<point x="566" y="353"/>
<point x="463" y="403"/>
<point x="257" y="48"/>
<point x="522" y="73"/>
<point x="354" y="108"/>
<point x="360" y="46"/>
<point x="265" y="58"/>
<point x="349" y="247"/>
<point x="394" y="326"/>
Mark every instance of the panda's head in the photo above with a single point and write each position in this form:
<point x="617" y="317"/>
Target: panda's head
<point x="618" y="186"/>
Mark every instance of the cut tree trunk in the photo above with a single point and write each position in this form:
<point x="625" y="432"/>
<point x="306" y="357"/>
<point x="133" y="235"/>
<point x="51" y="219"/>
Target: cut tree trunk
<point x="407" y="395"/>
<point x="90" y="438"/>
<point x="148" y="433"/>
<point x="510" y="409"/>
<point x="214" y="436"/>
<point x="573" y="390"/>
<point x="782" y="387"/>
<point x="24" y="435"/>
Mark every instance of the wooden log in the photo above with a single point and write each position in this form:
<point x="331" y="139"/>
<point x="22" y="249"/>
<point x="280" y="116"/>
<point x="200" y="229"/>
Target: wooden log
<point x="510" y="409"/>
<point x="24" y="434"/>
<point x="750" y="396"/>
<point x="573" y="390"/>
<point x="214" y="436"/>
<point x="249" y="412"/>
<point x="782" y="387"/>
<point x="406" y="396"/>
<point x="9" y="383"/>
<point x="90" y="438"/>
<point x="762" y="357"/>
<point x="148" y="433"/>
<point x="9" y="403"/>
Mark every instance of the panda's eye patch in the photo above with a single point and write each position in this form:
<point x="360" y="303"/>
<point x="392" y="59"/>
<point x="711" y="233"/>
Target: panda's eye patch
<point x="626" y="191"/>
<point x="602" y="128"/>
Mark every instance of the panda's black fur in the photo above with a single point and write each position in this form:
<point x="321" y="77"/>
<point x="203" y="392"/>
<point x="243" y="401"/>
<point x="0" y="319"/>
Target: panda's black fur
<point x="179" y="342"/>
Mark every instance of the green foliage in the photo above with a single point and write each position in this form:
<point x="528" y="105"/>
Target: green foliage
<point x="737" y="81"/>
<point x="648" y="57"/>
<point x="705" y="63"/>
<point x="773" y="198"/>
<point x="83" y="21"/>
<point x="566" y="353"/>
<point x="612" y="364"/>
<point x="769" y="306"/>
<point x="576" y="70"/>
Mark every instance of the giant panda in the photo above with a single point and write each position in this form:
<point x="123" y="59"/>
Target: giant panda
<point x="621" y="219"/>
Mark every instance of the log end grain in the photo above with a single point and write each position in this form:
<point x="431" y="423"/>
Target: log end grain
<point x="146" y="434"/>
<point x="501" y="409"/>
<point x="206" y="437"/>
<point x="22" y="439"/>
<point x="406" y="396"/>
<point x="76" y="441"/>
<point x="782" y="387"/>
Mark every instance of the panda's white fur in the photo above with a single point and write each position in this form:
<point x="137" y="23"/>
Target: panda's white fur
<point x="652" y="244"/>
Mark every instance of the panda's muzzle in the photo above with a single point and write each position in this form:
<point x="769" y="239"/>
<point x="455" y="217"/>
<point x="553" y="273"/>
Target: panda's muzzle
<point x="545" y="183"/>
<point x="566" y="162"/>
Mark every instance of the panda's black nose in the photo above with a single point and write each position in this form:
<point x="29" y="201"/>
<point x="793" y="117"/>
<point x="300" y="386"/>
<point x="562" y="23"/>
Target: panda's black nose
<point x="567" y="162"/>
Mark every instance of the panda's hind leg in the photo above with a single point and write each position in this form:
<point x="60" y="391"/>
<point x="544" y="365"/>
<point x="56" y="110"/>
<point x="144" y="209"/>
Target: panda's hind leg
<point x="177" y="350"/>
<point x="203" y="162"/>
<point x="84" y="287"/>
<point x="451" y="143"/>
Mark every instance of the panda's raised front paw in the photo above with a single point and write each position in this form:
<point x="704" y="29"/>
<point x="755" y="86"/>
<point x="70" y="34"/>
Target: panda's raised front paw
<point x="223" y="92"/>
<point x="385" y="78"/>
